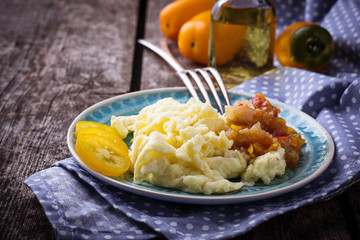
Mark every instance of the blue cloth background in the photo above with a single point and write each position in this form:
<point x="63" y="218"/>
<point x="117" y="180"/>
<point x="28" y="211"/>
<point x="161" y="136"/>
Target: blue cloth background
<point x="81" y="207"/>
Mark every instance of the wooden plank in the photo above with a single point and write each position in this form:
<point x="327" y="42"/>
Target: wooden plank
<point x="349" y="202"/>
<point x="56" y="59"/>
<point x="156" y="72"/>
<point x="316" y="221"/>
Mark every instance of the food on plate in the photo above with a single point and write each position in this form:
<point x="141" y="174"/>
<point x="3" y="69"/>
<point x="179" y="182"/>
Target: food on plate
<point x="101" y="148"/>
<point x="255" y="126"/>
<point x="190" y="146"/>
<point x="89" y="124"/>
<point x="183" y="146"/>
<point x="176" y="13"/>
<point x="304" y="45"/>
<point x="265" y="167"/>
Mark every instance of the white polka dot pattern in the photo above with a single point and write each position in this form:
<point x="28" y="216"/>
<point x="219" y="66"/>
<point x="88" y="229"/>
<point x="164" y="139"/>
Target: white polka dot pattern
<point x="81" y="207"/>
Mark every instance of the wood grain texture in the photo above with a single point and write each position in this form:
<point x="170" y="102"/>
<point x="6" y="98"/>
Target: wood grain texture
<point x="155" y="71"/>
<point x="56" y="59"/>
<point x="59" y="57"/>
<point x="316" y="221"/>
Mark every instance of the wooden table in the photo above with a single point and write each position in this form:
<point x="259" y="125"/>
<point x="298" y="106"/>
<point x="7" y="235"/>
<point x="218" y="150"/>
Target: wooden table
<point x="59" y="57"/>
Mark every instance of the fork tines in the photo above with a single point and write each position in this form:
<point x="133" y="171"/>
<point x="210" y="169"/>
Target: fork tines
<point x="208" y="74"/>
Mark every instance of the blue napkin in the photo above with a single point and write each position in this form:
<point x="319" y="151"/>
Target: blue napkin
<point x="80" y="206"/>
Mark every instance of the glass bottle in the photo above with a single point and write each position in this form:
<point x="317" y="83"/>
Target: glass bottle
<point x="242" y="38"/>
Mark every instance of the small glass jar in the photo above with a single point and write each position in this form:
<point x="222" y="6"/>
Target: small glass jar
<point x="242" y="38"/>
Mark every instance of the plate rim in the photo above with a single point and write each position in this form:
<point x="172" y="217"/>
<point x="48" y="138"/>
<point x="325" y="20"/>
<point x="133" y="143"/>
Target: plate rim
<point x="200" y="199"/>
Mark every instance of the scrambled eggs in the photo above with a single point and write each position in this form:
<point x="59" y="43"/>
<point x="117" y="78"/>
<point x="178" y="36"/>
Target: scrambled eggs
<point x="184" y="146"/>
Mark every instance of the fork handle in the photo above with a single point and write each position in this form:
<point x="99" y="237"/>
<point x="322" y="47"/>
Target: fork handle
<point x="169" y="59"/>
<point x="174" y="64"/>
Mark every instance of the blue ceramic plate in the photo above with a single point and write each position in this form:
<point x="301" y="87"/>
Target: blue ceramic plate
<point x="316" y="154"/>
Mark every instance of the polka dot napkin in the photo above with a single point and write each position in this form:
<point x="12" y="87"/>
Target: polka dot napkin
<point x="82" y="207"/>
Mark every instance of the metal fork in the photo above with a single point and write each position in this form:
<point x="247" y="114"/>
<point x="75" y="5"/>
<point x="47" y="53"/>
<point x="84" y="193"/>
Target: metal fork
<point x="207" y="74"/>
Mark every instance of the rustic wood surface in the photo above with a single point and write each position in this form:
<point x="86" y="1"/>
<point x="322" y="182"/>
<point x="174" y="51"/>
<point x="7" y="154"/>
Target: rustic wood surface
<point x="59" y="57"/>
